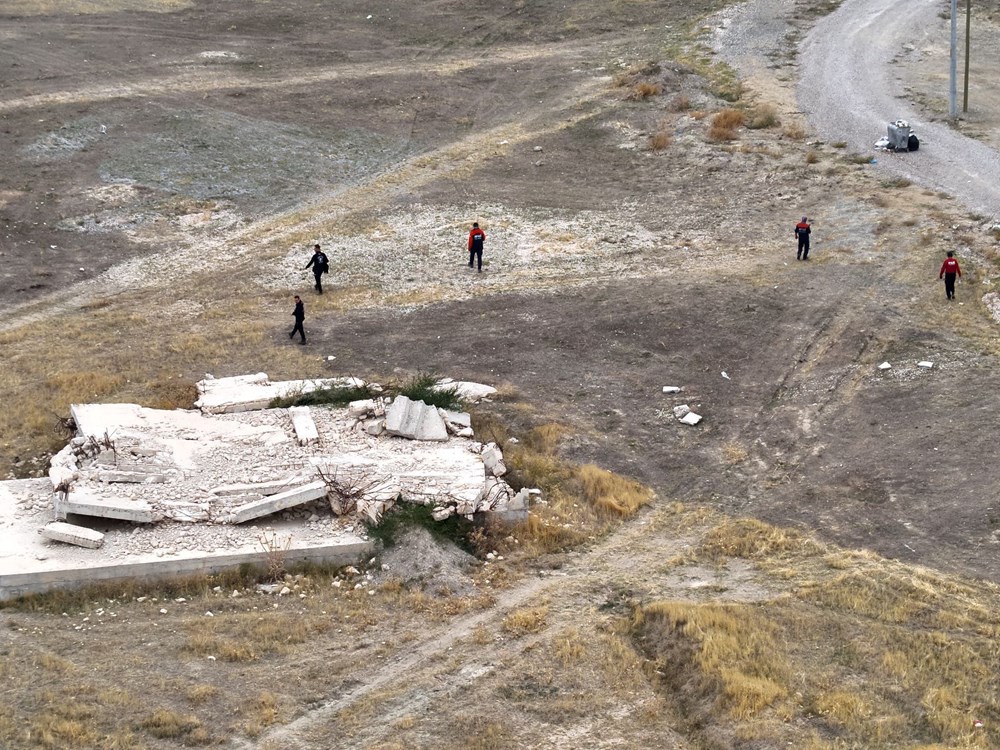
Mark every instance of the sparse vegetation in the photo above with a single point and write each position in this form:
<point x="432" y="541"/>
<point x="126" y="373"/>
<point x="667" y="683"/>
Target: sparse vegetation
<point x="812" y="157"/>
<point x="762" y="116"/>
<point x="724" y="125"/>
<point x="660" y="141"/>
<point x="643" y="90"/>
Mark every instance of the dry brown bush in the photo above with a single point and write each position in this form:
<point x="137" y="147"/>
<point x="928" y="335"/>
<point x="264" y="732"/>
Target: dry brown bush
<point x="644" y="90"/>
<point x="524" y="621"/>
<point x="794" y="132"/>
<point x="660" y="141"/>
<point x="718" y="135"/>
<point x="762" y="116"/>
<point x="680" y="103"/>
<point x="728" y="118"/>
<point x="812" y="157"/>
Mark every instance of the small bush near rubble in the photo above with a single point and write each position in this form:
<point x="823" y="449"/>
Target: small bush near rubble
<point x="644" y="90"/>
<point x="421" y="388"/>
<point x="336" y="395"/>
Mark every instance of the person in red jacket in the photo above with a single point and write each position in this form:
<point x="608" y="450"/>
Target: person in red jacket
<point x="949" y="271"/>
<point x="476" y="238"/>
<point x="802" y="233"/>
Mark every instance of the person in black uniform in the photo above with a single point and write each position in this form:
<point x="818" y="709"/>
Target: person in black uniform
<point x="320" y="265"/>
<point x="802" y="230"/>
<point x="299" y="313"/>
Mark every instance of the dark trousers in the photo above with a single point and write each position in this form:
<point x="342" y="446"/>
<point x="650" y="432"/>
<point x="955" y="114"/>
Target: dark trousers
<point x="476" y="254"/>
<point x="949" y="285"/>
<point x="298" y="329"/>
<point x="319" y="281"/>
<point x="803" y="247"/>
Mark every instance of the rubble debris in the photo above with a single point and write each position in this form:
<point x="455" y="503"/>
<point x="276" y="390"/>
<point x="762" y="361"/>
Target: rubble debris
<point x="681" y="410"/>
<point x="671" y="389"/>
<point x="415" y="420"/>
<point x="69" y="533"/>
<point x="690" y="419"/>
<point x="260" y="488"/>
<point x="885" y="366"/>
<point x="303" y="424"/>
<point x="130" y="477"/>
<point x="926" y="364"/>
<point x="493" y="460"/>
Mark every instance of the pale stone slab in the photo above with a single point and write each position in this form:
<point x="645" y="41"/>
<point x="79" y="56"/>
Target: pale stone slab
<point x="671" y="389"/>
<point x="361" y="408"/>
<point x="681" y="410"/>
<point x="69" y="533"/>
<point x="260" y="488"/>
<point x="926" y="364"/>
<point x="493" y="460"/>
<point x="281" y="501"/>
<point x="466" y="389"/>
<point x="690" y="419"/>
<point x="83" y="504"/>
<point x="303" y="424"/>
<point x="457" y="419"/>
<point x="885" y="366"/>
<point x="239" y="394"/>
<point x="415" y="420"/>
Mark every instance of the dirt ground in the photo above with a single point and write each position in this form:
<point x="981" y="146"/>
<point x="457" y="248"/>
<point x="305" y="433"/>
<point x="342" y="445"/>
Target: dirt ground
<point x="170" y="164"/>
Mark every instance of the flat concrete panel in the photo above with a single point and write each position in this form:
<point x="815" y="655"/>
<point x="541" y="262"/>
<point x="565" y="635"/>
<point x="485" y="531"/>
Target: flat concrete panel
<point x="87" y="505"/>
<point x="69" y="533"/>
<point x="281" y="501"/>
<point x="304" y="426"/>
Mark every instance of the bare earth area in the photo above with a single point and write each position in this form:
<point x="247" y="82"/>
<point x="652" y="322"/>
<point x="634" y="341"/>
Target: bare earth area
<point x="169" y="166"/>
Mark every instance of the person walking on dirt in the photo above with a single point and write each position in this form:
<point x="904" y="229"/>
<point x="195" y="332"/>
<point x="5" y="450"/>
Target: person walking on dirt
<point x="299" y="313"/>
<point x="802" y="230"/>
<point x="949" y="271"/>
<point x="320" y="265"/>
<point x="476" y="239"/>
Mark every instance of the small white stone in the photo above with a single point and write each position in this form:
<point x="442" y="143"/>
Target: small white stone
<point x="671" y="389"/>
<point x="926" y="364"/>
<point x="163" y="611"/>
<point x="885" y="366"/>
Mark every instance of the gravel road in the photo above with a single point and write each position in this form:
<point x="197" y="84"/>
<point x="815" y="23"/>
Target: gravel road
<point x="850" y="89"/>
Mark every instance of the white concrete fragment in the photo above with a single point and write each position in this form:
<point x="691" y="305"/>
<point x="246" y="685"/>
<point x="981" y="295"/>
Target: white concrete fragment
<point x="260" y="488"/>
<point x="415" y="420"/>
<point x="885" y="366"/>
<point x="493" y="460"/>
<point x="680" y="410"/>
<point x="443" y="512"/>
<point x="84" y="504"/>
<point x="130" y="477"/>
<point x="375" y="427"/>
<point x="671" y="389"/>
<point x="457" y="422"/>
<point x="69" y="533"/>
<point x="690" y="418"/>
<point x="926" y="364"/>
<point x="303" y="424"/>
<point x="361" y="409"/>
<point x="281" y="501"/>
<point x="465" y="389"/>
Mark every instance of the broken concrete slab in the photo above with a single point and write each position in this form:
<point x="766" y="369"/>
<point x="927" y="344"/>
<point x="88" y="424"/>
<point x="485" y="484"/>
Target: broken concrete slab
<point x="465" y="389"/>
<point x="362" y="409"/>
<point x="690" y="419"/>
<point x="493" y="460"/>
<point x="671" y="389"/>
<point x="69" y="533"/>
<point x="455" y="420"/>
<point x="83" y="504"/>
<point x="681" y="410"/>
<point x="885" y="366"/>
<point x="260" y="488"/>
<point x="375" y="427"/>
<point x="281" y="501"/>
<point x="250" y="393"/>
<point x="925" y="364"/>
<point x="414" y="420"/>
<point x="303" y="424"/>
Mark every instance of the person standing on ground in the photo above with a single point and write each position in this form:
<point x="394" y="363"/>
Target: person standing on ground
<point x="299" y="313"/>
<point x="320" y="265"/>
<point x="802" y="230"/>
<point x="476" y="239"/>
<point x="949" y="271"/>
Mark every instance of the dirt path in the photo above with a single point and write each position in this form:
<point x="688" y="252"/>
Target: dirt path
<point x="850" y="90"/>
<point x="448" y="660"/>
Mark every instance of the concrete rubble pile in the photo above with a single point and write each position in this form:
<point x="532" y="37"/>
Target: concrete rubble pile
<point x="236" y="460"/>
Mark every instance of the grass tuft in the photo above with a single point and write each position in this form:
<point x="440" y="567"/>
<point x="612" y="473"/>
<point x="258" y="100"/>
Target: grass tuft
<point x="762" y="116"/>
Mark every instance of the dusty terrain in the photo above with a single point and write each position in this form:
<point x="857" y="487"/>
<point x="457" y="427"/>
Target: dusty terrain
<point x="185" y="156"/>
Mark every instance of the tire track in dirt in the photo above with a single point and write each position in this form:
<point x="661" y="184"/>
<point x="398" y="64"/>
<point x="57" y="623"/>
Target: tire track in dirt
<point x="217" y="78"/>
<point x="442" y="664"/>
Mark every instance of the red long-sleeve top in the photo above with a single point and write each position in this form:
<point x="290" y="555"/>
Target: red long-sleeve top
<point x="475" y="234"/>
<point x="950" y="265"/>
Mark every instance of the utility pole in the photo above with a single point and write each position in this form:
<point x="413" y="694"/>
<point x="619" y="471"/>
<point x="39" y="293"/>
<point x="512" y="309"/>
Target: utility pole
<point x="968" y="33"/>
<point x="952" y="83"/>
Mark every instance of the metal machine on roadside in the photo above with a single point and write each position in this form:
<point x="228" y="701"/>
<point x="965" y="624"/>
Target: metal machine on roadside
<point x="899" y="138"/>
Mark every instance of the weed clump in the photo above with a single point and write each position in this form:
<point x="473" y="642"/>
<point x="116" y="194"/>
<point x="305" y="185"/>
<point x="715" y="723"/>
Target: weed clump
<point x="762" y="116"/>
<point x="424" y="387"/>
<point x="643" y="90"/>
<point x="724" y="125"/>
<point x="659" y="141"/>
<point x="337" y="395"/>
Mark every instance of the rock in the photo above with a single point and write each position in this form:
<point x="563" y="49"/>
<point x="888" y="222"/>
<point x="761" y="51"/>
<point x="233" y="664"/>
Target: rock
<point x="690" y="418"/>
<point x="681" y="410"/>
<point x="441" y="513"/>
<point x="303" y="424"/>
<point x="885" y="366"/>
<point x="414" y="420"/>
<point x="465" y="389"/>
<point x="361" y="409"/>
<point x="375" y="427"/>
<point x="925" y="364"/>
<point x="671" y="389"/>
<point x="70" y="533"/>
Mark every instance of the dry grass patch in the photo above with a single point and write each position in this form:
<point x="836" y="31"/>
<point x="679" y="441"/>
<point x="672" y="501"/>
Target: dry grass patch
<point x="812" y="156"/>
<point x="762" y="116"/>
<point x="524" y="621"/>
<point x="752" y="539"/>
<point x="724" y="124"/>
<point x="734" y="453"/>
<point x="660" y="141"/>
<point x="238" y="638"/>
<point x="612" y="494"/>
<point x="643" y="90"/>
<point x="165" y="724"/>
<point x="260" y="713"/>
<point x="794" y="132"/>
<point x="679" y="103"/>
<point x="200" y="693"/>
